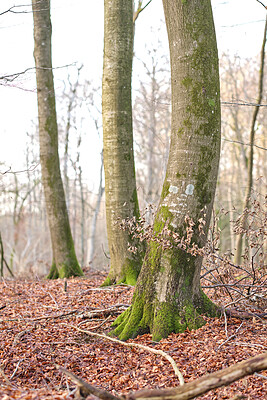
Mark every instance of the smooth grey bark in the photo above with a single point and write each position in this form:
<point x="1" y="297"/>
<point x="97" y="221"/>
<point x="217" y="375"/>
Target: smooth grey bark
<point x="65" y="263"/>
<point x="152" y="125"/>
<point x="168" y="296"/>
<point x="120" y="185"/>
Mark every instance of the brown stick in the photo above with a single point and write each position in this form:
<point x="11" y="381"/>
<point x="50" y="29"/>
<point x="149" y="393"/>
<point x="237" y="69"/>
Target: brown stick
<point x="208" y="382"/>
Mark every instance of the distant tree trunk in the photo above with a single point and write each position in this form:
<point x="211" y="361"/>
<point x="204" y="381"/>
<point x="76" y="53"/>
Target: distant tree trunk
<point x="243" y="222"/>
<point x="168" y="296"/>
<point x="82" y="216"/>
<point x="65" y="263"/>
<point x="3" y="260"/>
<point x="91" y="241"/>
<point x="120" y="185"/>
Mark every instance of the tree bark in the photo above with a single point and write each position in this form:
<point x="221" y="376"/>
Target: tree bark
<point x="120" y="184"/>
<point x="65" y="263"/>
<point x="168" y="296"/>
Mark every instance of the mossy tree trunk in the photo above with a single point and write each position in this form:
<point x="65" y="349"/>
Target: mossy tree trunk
<point x="168" y="296"/>
<point x="120" y="184"/>
<point x="65" y="263"/>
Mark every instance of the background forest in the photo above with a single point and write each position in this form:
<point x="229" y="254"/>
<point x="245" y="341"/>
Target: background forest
<point x="113" y="184"/>
<point x="24" y="228"/>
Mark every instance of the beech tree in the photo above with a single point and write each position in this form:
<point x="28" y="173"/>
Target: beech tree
<point x="120" y="184"/>
<point x="65" y="263"/>
<point x="168" y="296"/>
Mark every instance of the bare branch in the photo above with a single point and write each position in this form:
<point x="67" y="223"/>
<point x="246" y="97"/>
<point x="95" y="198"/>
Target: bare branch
<point x="12" y="77"/>
<point x="140" y="9"/>
<point x="261" y="3"/>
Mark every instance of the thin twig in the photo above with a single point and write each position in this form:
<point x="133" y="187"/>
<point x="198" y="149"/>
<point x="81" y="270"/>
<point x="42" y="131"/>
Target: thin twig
<point x="15" y="371"/>
<point x="230" y="337"/>
<point x="261" y="3"/>
<point x="260" y="375"/>
<point x="96" y="326"/>
<point x="225" y="323"/>
<point x="140" y="346"/>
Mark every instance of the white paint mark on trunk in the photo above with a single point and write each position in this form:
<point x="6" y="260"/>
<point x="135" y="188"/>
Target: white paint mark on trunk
<point x="189" y="189"/>
<point x="173" y="189"/>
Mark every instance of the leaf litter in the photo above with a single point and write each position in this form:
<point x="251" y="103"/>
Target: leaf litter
<point x="36" y="335"/>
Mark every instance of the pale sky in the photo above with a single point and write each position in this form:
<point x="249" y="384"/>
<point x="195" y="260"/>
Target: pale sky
<point x="78" y="37"/>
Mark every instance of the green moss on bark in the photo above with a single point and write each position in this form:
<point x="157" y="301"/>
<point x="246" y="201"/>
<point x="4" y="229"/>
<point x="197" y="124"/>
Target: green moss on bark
<point x="165" y="189"/>
<point x="168" y="317"/>
<point x="53" y="273"/>
<point x="127" y="274"/>
<point x="67" y="269"/>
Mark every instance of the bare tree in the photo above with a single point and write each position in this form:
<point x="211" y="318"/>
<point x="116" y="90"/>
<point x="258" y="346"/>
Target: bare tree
<point x="65" y="263"/>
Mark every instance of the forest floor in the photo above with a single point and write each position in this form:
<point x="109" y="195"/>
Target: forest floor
<point x="37" y="331"/>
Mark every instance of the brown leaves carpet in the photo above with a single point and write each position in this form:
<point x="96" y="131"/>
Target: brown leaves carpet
<point x="36" y="334"/>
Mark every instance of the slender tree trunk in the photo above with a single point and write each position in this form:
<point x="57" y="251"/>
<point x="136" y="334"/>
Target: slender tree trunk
<point x="82" y="215"/>
<point x="65" y="263"/>
<point x="168" y="296"/>
<point x="91" y="241"/>
<point x="120" y="185"/>
<point x="243" y="222"/>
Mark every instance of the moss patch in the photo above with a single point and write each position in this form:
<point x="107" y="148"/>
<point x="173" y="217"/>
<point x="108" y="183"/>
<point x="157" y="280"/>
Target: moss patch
<point x="128" y="273"/>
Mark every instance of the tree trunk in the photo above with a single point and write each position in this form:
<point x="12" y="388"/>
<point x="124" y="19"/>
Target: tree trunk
<point x="92" y="238"/>
<point x="168" y="296"/>
<point x="243" y="222"/>
<point x="120" y="185"/>
<point x="65" y="263"/>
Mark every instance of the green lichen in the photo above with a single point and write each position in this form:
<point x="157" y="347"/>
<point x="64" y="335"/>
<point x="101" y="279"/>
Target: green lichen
<point x="180" y="131"/>
<point x="163" y="216"/>
<point x="165" y="189"/>
<point x="211" y="102"/>
<point x="187" y="82"/>
<point x="187" y="121"/>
